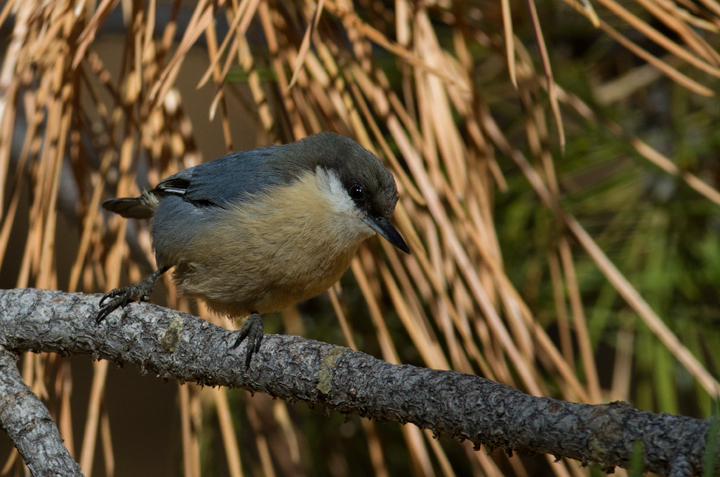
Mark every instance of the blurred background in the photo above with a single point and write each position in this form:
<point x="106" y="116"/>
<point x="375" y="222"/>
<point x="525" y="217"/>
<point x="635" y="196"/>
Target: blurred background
<point x="557" y="164"/>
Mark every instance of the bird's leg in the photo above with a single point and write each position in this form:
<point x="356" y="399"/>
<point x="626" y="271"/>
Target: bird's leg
<point x="120" y="297"/>
<point x="253" y="331"/>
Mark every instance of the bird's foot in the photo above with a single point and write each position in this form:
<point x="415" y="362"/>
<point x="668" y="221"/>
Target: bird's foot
<point x="253" y="331"/>
<point x="120" y="297"/>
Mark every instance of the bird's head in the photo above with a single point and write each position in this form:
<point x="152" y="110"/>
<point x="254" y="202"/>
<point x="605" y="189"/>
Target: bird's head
<point x="355" y="181"/>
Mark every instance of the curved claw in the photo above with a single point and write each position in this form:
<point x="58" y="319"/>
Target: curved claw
<point x="120" y="298"/>
<point x="109" y="294"/>
<point x="140" y="291"/>
<point x="253" y="331"/>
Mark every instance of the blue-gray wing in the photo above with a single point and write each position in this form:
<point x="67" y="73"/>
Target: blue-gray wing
<point x="227" y="179"/>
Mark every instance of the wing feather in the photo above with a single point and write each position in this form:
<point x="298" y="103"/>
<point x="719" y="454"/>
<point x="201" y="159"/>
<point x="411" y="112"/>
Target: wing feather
<point x="226" y="179"/>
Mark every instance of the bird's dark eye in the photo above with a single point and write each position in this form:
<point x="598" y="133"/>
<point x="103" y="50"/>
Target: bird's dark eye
<point x="357" y="192"/>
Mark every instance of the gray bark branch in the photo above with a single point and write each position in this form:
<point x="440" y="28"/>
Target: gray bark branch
<point x="28" y="423"/>
<point x="174" y="345"/>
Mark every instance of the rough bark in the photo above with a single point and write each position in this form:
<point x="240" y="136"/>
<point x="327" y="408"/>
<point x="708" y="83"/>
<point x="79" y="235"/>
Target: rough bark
<point x="28" y="423"/>
<point x="174" y="345"/>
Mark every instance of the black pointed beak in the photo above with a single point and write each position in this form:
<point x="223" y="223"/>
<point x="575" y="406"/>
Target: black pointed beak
<point x="386" y="229"/>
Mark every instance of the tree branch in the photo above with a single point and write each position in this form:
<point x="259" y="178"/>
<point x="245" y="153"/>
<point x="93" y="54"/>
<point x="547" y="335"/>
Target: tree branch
<point x="180" y="346"/>
<point x="28" y="423"/>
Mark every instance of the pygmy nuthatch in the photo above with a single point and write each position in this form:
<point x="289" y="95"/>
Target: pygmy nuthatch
<point x="256" y="231"/>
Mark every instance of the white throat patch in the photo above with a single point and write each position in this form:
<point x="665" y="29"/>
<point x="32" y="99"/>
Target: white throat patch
<point x="335" y="193"/>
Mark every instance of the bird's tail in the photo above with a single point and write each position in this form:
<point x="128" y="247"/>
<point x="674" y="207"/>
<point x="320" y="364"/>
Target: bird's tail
<point x="141" y="207"/>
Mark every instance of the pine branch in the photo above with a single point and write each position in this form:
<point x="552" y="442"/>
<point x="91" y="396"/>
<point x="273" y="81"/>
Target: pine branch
<point x="28" y="423"/>
<point x="175" y="345"/>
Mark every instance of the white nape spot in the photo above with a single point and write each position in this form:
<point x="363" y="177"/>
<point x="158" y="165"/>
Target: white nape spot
<point x="150" y="199"/>
<point x="334" y="192"/>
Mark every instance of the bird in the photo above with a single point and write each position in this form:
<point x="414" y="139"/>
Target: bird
<point x="256" y="231"/>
